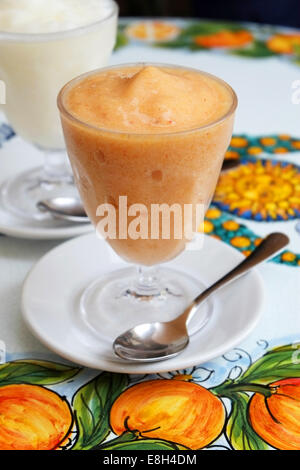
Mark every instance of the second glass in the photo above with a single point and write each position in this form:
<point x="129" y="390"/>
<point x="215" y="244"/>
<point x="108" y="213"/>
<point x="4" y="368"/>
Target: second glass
<point x="34" y="67"/>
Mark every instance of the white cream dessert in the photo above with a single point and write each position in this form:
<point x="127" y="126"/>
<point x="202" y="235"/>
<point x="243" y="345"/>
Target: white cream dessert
<point x="43" y="44"/>
<point x="38" y="16"/>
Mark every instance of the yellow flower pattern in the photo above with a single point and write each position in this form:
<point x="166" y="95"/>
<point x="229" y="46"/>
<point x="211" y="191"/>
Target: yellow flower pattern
<point x="262" y="190"/>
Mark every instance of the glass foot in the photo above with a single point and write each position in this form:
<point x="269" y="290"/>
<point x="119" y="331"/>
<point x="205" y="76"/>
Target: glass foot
<point x="114" y="303"/>
<point x="21" y="194"/>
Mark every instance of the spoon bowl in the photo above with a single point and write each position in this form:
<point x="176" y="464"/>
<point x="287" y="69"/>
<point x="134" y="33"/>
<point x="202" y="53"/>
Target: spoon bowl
<point x="64" y="208"/>
<point x="151" y="342"/>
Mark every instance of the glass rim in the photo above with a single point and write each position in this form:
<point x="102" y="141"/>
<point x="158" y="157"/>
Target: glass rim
<point x="64" y="111"/>
<point x="7" y="36"/>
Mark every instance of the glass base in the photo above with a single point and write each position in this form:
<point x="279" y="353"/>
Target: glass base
<point x="21" y="194"/>
<point x="117" y="302"/>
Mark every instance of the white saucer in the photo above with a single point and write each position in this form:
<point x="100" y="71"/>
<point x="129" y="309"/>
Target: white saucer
<point x="17" y="156"/>
<point x="52" y="290"/>
<point x="19" y="228"/>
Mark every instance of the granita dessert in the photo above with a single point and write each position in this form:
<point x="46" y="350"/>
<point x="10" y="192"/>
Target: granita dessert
<point x="156" y="134"/>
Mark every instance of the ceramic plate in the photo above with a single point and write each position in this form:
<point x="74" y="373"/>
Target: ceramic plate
<point x="53" y="288"/>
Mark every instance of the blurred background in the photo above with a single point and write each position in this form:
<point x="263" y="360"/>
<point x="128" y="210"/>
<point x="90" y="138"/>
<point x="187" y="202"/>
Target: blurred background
<point x="280" y="12"/>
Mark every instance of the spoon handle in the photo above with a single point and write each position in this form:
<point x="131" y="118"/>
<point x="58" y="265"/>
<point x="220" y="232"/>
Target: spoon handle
<point x="267" y="249"/>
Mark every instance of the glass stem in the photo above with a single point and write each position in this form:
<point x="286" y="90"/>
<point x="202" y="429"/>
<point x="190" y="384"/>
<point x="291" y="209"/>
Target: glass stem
<point x="147" y="282"/>
<point x="56" y="166"/>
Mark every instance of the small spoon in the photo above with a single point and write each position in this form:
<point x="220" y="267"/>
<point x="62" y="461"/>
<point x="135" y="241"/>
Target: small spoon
<point x="65" y="208"/>
<point x="150" y="342"/>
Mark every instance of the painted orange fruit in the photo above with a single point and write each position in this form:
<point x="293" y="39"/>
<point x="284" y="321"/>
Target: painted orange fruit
<point x="277" y="418"/>
<point x="225" y="39"/>
<point x="152" y="31"/>
<point x="284" y="43"/>
<point x="177" y="411"/>
<point x="32" y="418"/>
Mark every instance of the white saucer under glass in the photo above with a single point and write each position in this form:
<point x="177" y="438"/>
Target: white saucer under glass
<point x="21" y="194"/>
<point x="55" y="295"/>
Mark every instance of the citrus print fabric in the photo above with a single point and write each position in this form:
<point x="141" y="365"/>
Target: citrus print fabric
<point x="245" y="39"/>
<point x="223" y="227"/>
<point x="262" y="190"/>
<point x="234" y="403"/>
<point x="244" y="145"/>
<point x="248" y="399"/>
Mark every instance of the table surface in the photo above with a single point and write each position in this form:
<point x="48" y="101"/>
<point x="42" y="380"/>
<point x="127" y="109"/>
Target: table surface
<point x="261" y="64"/>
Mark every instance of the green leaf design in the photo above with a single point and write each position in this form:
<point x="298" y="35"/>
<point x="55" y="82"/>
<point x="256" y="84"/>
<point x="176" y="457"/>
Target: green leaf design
<point x="238" y="430"/>
<point x="35" y="372"/>
<point x="279" y="363"/>
<point x="121" y="41"/>
<point x="126" y="437"/>
<point x="206" y="28"/>
<point x="143" y="444"/>
<point x="186" y="37"/>
<point x="296" y="49"/>
<point x="257" y="49"/>
<point x="92" y="405"/>
<point x="177" y="43"/>
<point x="197" y="47"/>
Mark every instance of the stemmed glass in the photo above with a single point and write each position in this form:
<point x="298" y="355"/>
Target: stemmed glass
<point x="123" y="175"/>
<point x="34" y="67"/>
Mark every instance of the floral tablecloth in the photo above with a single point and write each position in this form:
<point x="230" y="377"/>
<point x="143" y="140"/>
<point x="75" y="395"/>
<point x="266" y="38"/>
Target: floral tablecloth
<point x="250" y="397"/>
